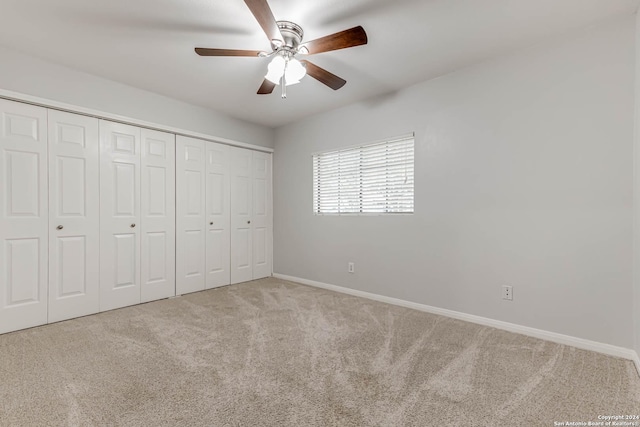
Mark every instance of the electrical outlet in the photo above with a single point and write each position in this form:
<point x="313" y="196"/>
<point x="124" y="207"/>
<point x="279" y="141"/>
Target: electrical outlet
<point x="351" y="267"/>
<point x="507" y="293"/>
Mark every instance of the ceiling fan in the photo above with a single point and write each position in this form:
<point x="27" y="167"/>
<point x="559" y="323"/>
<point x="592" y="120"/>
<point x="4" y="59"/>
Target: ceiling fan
<point x="286" y="42"/>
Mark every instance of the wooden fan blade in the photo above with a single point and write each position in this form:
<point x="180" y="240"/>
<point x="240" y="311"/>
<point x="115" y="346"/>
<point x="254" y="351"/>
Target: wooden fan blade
<point x="264" y="16"/>
<point x="323" y="76"/>
<point x="266" y="88"/>
<point x="355" y="36"/>
<point x="226" y="52"/>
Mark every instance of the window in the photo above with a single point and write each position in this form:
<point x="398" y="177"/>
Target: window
<point x="372" y="178"/>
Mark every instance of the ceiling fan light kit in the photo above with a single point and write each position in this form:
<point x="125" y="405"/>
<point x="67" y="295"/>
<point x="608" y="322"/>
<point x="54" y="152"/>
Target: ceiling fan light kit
<point x="286" y="42"/>
<point x="282" y="66"/>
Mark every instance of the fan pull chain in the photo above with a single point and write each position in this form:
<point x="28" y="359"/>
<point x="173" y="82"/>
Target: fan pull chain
<point x="283" y="81"/>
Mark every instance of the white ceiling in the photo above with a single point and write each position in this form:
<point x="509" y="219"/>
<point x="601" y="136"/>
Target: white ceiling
<point x="149" y="43"/>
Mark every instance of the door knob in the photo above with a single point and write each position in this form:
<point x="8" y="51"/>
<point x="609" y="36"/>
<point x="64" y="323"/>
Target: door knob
<point x="59" y="227"/>
<point x="248" y="222"/>
<point x="133" y="226"/>
<point x="211" y="223"/>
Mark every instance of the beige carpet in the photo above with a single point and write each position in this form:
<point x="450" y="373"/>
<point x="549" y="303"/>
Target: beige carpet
<point x="273" y="353"/>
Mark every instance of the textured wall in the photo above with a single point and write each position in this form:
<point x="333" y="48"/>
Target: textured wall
<point x="33" y="76"/>
<point x="636" y="188"/>
<point x="523" y="177"/>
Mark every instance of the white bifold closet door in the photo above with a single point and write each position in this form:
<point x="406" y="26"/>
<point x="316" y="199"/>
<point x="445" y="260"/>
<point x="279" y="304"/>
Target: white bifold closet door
<point x="251" y="218"/>
<point x="120" y="215"/>
<point x="241" y="215"/>
<point x="158" y="205"/>
<point x="23" y="216"/>
<point x="74" y="222"/>
<point x="262" y="228"/>
<point x="217" y="216"/>
<point x="136" y="198"/>
<point x="202" y="241"/>
<point x="190" y="213"/>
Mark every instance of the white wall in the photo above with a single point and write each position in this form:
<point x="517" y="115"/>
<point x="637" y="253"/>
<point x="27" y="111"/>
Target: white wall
<point x="523" y="177"/>
<point x="33" y="76"/>
<point x="636" y="188"/>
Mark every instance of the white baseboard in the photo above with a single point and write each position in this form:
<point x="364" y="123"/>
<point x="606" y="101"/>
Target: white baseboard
<point x="581" y="343"/>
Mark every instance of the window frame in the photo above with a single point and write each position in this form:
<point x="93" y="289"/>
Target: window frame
<point x="354" y="147"/>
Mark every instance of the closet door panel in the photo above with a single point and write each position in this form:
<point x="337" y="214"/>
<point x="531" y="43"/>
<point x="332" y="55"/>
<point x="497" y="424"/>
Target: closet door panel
<point x="23" y="216"/>
<point x="191" y="216"/>
<point x="158" y="215"/>
<point x="120" y="215"/>
<point x="241" y="215"/>
<point x="218" y="218"/>
<point x="262" y="216"/>
<point x="74" y="223"/>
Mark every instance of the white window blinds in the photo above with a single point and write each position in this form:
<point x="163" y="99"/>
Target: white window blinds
<point x="372" y="178"/>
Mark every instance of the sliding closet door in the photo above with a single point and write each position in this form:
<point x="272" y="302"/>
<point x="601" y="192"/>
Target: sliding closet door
<point x="241" y="215"/>
<point x="158" y="215"/>
<point x="190" y="213"/>
<point x="120" y="215"/>
<point x="74" y="222"/>
<point x="218" y="219"/>
<point x="262" y="216"/>
<point x="23" y="216"/>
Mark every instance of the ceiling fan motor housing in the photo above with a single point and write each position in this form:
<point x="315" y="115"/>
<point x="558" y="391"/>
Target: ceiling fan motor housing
<point x="291" y="33"/>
